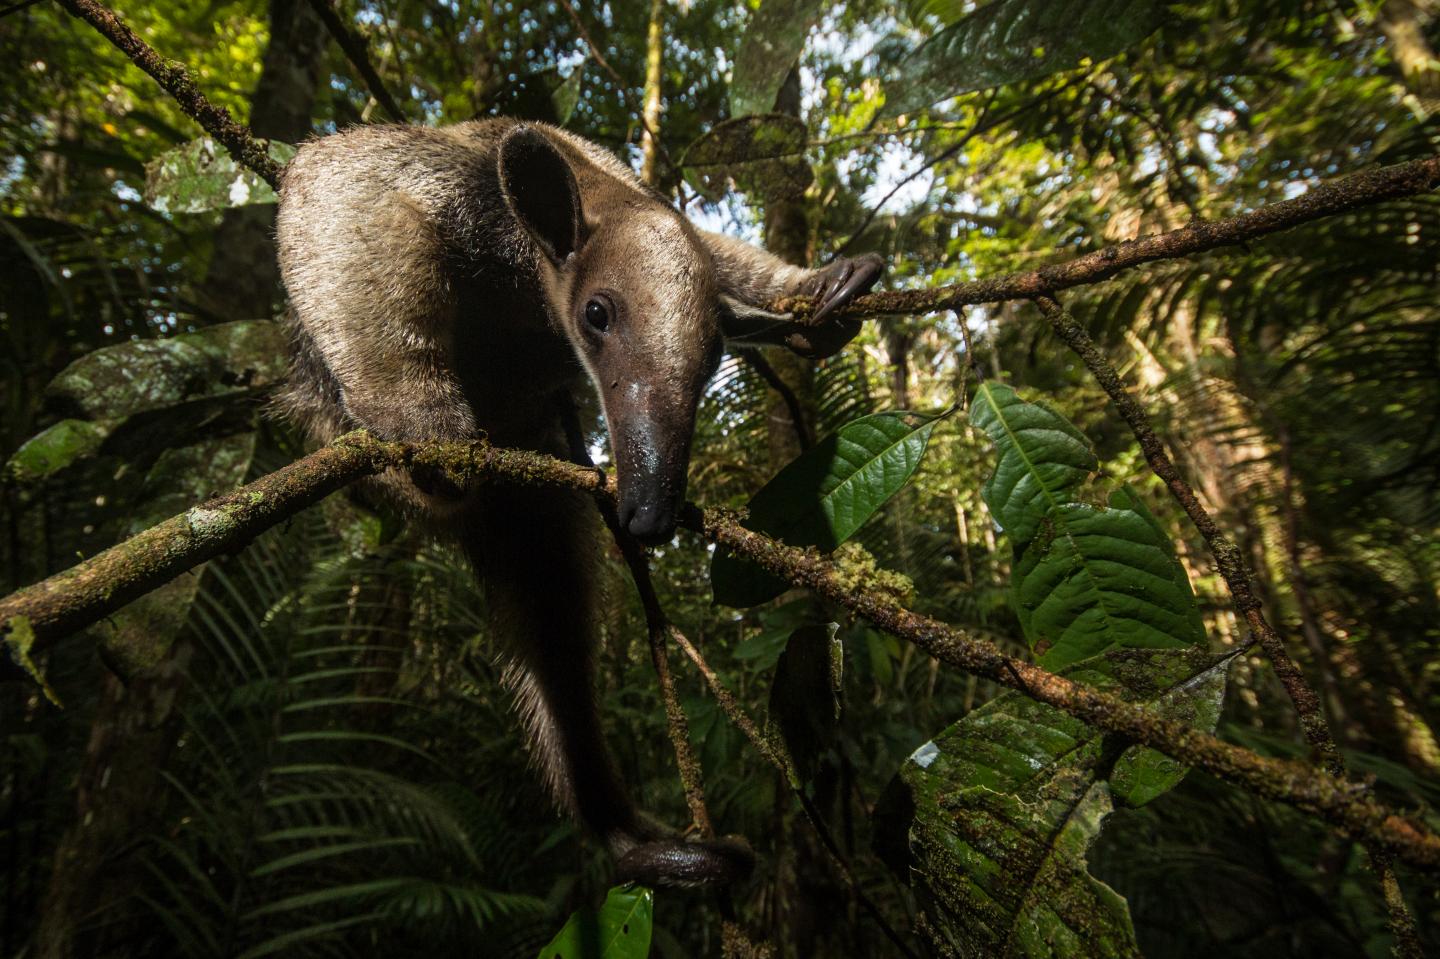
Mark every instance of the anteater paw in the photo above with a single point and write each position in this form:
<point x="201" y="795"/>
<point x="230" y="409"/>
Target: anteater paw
<point x="675" y="863"/>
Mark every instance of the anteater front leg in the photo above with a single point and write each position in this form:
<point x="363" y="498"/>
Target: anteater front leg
<point x="535" y="553"/>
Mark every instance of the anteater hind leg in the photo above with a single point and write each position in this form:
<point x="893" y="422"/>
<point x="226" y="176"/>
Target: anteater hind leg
<point x="534" y="551"/>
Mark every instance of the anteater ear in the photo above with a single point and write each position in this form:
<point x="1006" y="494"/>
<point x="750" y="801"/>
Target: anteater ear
<point x="539" y="188"/>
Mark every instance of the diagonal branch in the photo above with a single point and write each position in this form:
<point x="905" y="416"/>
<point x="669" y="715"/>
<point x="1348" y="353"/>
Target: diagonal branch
<point x="1228" y="558"/>
<point x="357" y="51"/>
<point x="1238" y="579"/>
<point x="86" y="593"/>
<point x="1327" y="199"/>
<point x="243" y="145"/>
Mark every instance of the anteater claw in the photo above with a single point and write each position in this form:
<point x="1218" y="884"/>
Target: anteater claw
<point x="678" y="864"/>
<point x="834" y="287"/>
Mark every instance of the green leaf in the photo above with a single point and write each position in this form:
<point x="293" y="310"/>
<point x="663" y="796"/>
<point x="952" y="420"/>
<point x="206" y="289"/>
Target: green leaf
<point x="772" y="43"/>
<point x="762" y="155"/>
<point x="1012" y="40"/>
<point x="567" y="95"/>
<point x="620" y="929"/>
<point x="805" y="696"/>
<point x="824" y="496"/>
<point x="201" y="176"/>
<point x="992" y="821"/>
<point x="1086" y="578"/>
<point x="1042" y="458"/>
<point x="55" y="448"/>
<point x="217" y="362"/>
<point x="1099" y="578"/>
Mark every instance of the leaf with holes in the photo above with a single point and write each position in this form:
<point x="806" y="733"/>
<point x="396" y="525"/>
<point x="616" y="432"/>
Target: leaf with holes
<point x="201" y="176"/>
<point x="823" y="496"/>
<point x="620" y="929"/>
<point x="769" y="48"/>
<point x="992" y="820"/>
<point x="1012" y="40"/>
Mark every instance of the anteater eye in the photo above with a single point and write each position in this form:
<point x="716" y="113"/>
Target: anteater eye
<point x="597" y="314"/>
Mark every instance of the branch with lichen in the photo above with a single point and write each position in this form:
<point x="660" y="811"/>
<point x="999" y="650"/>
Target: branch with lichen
<point x="1325" y="200"/>
<point x="86" y="593"/>
<point x="243" y="145"/>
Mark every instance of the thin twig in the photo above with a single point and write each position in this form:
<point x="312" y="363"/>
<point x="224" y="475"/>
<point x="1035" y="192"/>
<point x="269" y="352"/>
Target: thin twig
<point x="1238" y="579"/>
<point x="243" y="145"/>
<point x="975" y="128"/>
<point x="733" y="711"/>
<point x="658" y="628"/>
<point x="16" y="7"/>
<point x="357" y="51"/>
<point x="767" y="373"/>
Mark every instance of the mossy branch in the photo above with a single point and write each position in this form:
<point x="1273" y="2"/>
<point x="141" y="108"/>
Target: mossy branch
<point x="243" y="145"/>
<point x="86" y="593"/>
<point x="1325" y="200"/>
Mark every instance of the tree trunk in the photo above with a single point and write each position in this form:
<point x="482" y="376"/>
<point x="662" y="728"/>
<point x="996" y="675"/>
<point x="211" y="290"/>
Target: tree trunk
<point x="243" y="281"/>
<point x="654" y="58"/>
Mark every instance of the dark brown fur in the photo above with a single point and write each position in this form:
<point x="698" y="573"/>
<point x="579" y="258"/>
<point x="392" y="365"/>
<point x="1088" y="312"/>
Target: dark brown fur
<point x="439" y="280"/>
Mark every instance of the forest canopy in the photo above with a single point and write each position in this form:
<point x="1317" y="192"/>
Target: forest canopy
<point x="1085" y="603"/>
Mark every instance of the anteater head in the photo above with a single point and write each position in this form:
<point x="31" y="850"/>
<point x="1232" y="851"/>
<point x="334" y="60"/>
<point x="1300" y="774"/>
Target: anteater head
<point x="634" y="289"/>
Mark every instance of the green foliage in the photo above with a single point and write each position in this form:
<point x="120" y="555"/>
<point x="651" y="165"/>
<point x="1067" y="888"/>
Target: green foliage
<point x="824" y="496"/>
<point x="805" y="697"/>
<point x="994" y="818"/>
<point x="761" y="155"/>
<point x="1006" y="41"/>
<point x="768" y="51"/>
<point x="619" y="929"/>
<point x="201" y="176"/>
<point x="1086" y="578"/>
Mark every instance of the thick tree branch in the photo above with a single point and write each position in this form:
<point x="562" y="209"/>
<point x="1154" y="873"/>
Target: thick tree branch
<point x="244" y="146"/>
<point x="83" y="595"/>
<point x="357" y="51"/>
<point x="1326" y="199"/>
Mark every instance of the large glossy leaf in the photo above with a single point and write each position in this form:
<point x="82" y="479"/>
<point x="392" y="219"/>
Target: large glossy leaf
<point x="824" y="496"/>
<point x="770" y="46"/>
<point x="201" y="176"/>
<point x="992" y="821"/>
<point x="1041" y="459"/>
<point x="805" y="696"/>
<point x="1086" y="578"/>
<point x="762" y="155"/>
<point x="1011" y="40"/>
<point x="216" y="362"/>
<point x="620" y="929"/>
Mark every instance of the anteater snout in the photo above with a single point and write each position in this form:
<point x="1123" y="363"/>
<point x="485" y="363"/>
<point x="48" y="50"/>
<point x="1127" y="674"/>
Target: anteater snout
<point x="651" y="523"/>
